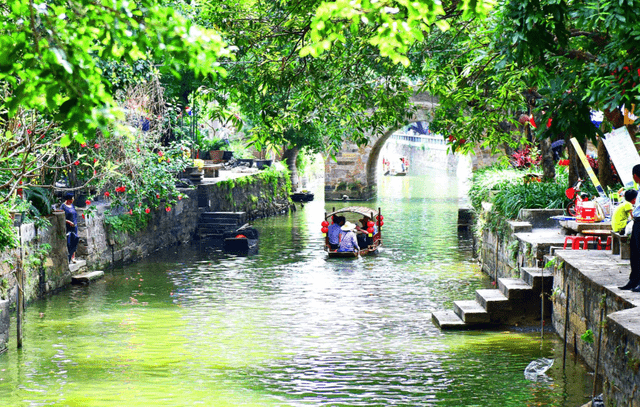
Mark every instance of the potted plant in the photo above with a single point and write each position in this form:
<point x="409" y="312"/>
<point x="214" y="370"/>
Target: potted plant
<point x="216" y="148"/>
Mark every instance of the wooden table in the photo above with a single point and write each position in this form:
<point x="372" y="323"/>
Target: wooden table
<point x="575" y="227"/>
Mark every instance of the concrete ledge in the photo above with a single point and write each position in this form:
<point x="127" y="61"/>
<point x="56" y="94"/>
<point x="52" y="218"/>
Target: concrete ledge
<point x="539" y="218"/>
<point x="86" y="278"/>
<point x="519" y="227"/>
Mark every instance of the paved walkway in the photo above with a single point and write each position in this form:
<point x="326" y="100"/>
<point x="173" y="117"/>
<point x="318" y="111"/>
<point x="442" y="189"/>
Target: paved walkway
<point x="604" y="269"/>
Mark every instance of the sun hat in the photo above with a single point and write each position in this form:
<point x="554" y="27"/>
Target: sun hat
<point x="348" y="226"/>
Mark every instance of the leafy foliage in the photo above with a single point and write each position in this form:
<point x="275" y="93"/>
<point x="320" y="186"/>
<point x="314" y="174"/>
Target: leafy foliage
<point x="8" y="238"/>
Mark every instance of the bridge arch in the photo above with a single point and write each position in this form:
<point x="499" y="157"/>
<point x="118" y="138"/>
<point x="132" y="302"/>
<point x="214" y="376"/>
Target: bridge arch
<point x="353" y="173"/>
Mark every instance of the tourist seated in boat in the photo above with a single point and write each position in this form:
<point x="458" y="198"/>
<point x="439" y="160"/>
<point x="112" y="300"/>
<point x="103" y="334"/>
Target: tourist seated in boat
<point x="335" y="231"/>
<point x="349" y="242"/>
<point x="363" y="234"/>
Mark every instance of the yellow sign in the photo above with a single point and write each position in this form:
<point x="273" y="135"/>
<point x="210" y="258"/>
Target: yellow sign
<point x="629" y="117"/>
<point x="585" y="162"/>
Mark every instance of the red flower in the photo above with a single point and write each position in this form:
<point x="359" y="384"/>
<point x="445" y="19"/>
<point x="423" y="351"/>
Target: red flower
<point x="168" y="209"/>
<point x="106" y="194"/>
<point x="76" y="163"/>
<point x="88" y="202"/>
<point x="147" y="210"/>
<point x="96" y="145"/>
<point x="179" y="197"/>
<point x="130" y="212"/>
<point x="168" y="160"/>
<point x="158" y="196"/>
<point x="28" y="131"/>
<point x="95" y="160"/>
<point x="138" y="148"/>
<point x="83" y="216"/>
<point x="139" y="203"/>
<point x="83" y="145"/>
<point x="160" y="153"/>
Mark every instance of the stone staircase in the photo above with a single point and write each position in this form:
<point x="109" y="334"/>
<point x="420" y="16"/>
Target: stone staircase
<point x="516" y="300"/>
<point x="214" y="224"/>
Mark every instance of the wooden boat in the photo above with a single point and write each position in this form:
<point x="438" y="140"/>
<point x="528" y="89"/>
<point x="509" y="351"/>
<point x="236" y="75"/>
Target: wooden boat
<point x="302" y="196"/>
<point x="242" y="240"/>
<point x="374" y="240"/>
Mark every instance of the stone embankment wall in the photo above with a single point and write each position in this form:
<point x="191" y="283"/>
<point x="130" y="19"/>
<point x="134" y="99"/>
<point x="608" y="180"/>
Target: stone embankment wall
<point x="45" y="249"/>
<point x="512" y="244"/>
<point x="584" y="295"/>
<point x="584" y="299"/>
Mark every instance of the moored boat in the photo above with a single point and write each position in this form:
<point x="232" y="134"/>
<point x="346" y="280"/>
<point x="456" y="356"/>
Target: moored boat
<point x="370" y="238"/>
<point x="242" y="240"/>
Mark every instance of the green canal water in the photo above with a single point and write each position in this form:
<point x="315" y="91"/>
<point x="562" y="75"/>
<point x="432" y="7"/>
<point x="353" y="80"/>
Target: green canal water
<point x="192" y="326"/>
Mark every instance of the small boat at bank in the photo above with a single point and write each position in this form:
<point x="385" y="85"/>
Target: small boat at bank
<point x="242" y="240"/>
<point x="373" y="236"/>
<point x="304" y="196"/>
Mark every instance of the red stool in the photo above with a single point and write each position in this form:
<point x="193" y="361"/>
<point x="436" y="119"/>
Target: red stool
<point x="608" y="244"/>
<point x="575" y="242"/>
<point x="594" y="239"/>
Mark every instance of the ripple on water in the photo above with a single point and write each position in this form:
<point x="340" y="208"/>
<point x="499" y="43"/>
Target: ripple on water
<point x="195" y="326"/>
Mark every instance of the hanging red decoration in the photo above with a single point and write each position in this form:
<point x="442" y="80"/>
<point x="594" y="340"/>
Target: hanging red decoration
<point x="370" y="224"/>
<point x="370" y="229"/>
<point x="325" y="223"/>
<point x="380" y="217"/>
<point x="325" y="230"/>
<point x="381" y="223"/>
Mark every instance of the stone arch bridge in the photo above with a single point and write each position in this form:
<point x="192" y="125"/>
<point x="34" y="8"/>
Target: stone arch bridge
<point x="354" y="172"/>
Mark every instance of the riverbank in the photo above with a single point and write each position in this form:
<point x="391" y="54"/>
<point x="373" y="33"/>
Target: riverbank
<point x="103" y="244"/>
<point x="599" y="322"/>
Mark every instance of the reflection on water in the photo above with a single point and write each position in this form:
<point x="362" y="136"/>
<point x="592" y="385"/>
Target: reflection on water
<point x="288" y="326"/>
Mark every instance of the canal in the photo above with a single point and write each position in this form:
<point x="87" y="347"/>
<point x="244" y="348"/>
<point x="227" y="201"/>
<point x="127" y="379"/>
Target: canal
<point x="289" y="327"/>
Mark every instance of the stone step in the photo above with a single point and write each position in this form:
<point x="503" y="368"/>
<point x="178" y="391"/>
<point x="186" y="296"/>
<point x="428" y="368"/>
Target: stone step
<point x="219" y="222"/>
<point x="471" y="312"/>
<point x="78" y="266"/>
<point x="447" y="320"/>
<point x="537" y="278"/>
<point x="86" y="278"/>
<point x="514" y="288"/>
<point x="226" y="215"/>
<point x="492" y="300"/>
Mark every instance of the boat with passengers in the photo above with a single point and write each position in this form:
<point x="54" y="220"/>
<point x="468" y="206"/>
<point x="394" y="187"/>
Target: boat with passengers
<point x="369" y="230"/>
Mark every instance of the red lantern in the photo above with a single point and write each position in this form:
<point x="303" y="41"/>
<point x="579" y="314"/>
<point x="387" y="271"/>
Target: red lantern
<point x="325" y="223"/>
<point x="370" y="229"/>
<point x="325" y="230"/>
<point x="379" y="217"/>
<point x="370" y="224"/>
<point x="381" y="223"/>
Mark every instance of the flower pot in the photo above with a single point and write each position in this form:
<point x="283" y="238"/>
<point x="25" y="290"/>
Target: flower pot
<point x="263" y="163"/>
<point x="216" y="155"/>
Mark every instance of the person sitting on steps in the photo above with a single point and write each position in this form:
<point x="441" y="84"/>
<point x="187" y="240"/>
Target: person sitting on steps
<point x="621" y="215"/>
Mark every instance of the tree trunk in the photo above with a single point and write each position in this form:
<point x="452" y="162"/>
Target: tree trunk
<point x="547" y="161"/>
<point x="290" y="156"/>
<point x="605" y="174"/>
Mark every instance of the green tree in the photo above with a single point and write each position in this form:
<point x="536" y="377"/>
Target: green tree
<point x="52" y="74"/>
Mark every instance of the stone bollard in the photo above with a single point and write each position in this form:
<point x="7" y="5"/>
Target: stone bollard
<point x="4" y="325"/>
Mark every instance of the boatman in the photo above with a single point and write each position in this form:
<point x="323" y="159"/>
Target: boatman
<point x="634" y="242"/>
<point x="334" y="232"/>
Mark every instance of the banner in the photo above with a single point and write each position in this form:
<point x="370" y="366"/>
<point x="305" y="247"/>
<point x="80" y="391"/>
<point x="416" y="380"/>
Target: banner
<point x="623" y="153"/>
<point x="585" y="162"/>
